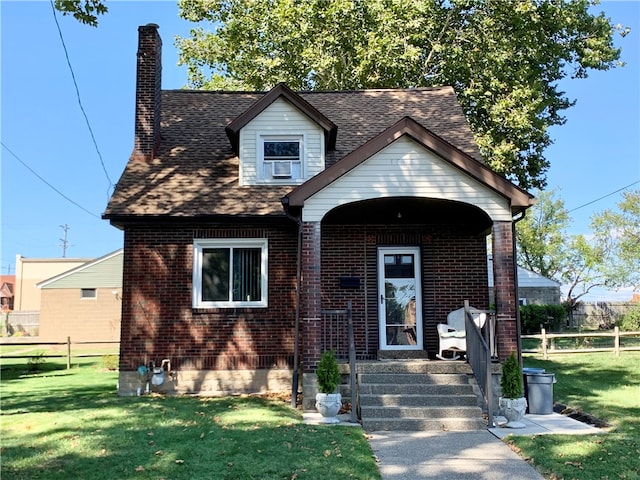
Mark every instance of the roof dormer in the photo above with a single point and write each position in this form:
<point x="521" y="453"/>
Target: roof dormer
<point x="281" y="139"/>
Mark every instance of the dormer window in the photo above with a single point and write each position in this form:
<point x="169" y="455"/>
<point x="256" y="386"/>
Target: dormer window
<point x="281" y="158"/>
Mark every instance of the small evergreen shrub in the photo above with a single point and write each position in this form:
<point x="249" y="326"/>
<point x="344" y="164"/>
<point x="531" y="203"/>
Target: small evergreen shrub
<point x="328" y="373"/>
<point x="35" y="363"/>
<point x="511" y="381"/>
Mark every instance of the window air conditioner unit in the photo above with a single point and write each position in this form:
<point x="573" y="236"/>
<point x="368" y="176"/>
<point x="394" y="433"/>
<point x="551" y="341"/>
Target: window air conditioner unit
<point x="281" y="169"/>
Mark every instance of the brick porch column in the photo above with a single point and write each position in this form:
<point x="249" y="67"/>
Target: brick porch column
<point x="310" y="325"/>
<point x="506" y="290"/>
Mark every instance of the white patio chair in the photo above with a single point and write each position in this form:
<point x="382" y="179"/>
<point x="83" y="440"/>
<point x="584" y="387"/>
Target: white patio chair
<point x="453" y="335"/>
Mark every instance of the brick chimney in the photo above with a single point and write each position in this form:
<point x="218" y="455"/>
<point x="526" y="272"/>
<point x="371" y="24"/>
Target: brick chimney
<point x="148" y="86"/>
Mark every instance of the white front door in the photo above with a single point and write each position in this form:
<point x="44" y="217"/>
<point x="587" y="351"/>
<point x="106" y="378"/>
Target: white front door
<point x="399" y="298"/>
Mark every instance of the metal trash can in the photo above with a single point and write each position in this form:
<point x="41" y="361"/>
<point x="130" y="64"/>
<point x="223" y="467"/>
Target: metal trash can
<point x="539" y="392"/>
<point x="529" y="371"/>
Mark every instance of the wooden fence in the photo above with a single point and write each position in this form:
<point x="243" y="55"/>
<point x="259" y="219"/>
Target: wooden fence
<point x="68" y="355"/>
<point x="548" y="342"/>
<point x="25" y="323"/>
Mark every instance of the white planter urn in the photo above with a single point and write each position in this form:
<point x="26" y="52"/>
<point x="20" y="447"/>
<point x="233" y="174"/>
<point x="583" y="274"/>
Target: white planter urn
<point x="329" y="404"/>
<point x="514" y="410"/>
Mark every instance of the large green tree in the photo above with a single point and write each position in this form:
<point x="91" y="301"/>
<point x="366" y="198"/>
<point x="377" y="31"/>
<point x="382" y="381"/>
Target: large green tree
<point x="85" y="11"/>
<point x="609" y="256"/>
<point x="619" y="232"/>
<point x="542" y="237"/>
<point x="503" y="57"/>
<point x="583" y="267"/>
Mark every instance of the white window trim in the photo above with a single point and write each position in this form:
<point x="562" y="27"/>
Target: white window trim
<point x="261" y="137"/>
<point x="201" y="243"/>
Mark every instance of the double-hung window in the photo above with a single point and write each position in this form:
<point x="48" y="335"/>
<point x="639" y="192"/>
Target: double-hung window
<point x="281" y="157"/>
<point x="230" y="273"/>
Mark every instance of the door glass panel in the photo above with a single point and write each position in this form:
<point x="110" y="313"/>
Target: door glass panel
<point x="400" y="299"/>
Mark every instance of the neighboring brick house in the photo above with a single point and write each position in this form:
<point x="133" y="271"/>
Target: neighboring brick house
<point x="6" y="292"/>
<point x="83" y="303"/>
<point x="378" y="196"/>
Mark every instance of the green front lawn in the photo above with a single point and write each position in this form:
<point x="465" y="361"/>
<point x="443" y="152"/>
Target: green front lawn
<point x="61" y="424"/>
<point x="606" y="387"/>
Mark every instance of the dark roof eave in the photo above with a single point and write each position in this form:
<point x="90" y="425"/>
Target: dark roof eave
<point x="122" y="220"/>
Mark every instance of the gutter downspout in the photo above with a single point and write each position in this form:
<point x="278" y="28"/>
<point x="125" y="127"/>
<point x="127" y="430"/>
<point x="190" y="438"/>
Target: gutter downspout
<point x="514" y="220"/>
<point x="296" y="338"/>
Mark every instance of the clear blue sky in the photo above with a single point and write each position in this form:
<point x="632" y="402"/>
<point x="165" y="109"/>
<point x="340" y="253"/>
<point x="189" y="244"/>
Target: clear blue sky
<point x="595" y="153"/>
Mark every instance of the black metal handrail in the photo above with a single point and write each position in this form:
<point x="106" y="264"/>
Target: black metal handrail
<point x="335" y="332"/>
<point x="337" y="335"/>
<point x="479" y="356"/>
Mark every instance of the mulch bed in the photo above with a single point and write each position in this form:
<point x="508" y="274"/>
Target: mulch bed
<point x="579" y="415"/>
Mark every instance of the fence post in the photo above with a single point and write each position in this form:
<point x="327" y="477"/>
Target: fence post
<point x="68" y="353"/>
<point x="544" y="344"/>
<point x="616" y="341"/>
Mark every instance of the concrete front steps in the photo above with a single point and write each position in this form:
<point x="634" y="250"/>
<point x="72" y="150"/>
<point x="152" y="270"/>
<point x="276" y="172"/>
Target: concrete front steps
<point x="418" y="395"/>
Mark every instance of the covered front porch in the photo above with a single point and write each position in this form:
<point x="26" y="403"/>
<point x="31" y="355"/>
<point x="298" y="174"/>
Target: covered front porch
<point x="404" y="263"/>
<point x="399" y="227"/>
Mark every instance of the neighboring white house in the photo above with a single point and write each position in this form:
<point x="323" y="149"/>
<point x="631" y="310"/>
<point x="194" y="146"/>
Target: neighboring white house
<point x="533" y="289"/>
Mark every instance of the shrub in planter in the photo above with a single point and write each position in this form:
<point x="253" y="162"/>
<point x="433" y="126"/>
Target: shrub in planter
<point x="328" y="374"/>
<point x="512" y="402"/>
<point x="511" y="381"/>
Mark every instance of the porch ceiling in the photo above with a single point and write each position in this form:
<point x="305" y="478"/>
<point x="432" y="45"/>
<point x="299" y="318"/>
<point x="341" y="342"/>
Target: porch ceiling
<point x="410" y="211"/>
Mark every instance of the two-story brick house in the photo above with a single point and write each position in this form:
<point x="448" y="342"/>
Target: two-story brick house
<point x="247" y="214"/>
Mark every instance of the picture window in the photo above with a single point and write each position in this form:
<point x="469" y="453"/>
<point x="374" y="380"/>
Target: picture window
<point x="230" y="273"/>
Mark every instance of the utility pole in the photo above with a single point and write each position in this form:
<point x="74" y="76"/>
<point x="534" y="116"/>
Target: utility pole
<point x="65" y="243"/>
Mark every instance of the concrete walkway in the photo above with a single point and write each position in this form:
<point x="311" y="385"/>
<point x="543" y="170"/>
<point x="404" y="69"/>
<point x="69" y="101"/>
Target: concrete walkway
<point x="473" y="455"/>
<point x="546" y="424"/>
<point x="476" y="455"/>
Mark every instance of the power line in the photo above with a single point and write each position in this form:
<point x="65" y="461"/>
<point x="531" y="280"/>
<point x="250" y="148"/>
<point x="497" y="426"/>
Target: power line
<point x="604" y="196"/>
<point x="47" y="183"/>
<point x="75" y="84"/>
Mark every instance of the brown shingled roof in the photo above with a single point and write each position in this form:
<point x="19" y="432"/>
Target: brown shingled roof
<point x="195" y="170"/>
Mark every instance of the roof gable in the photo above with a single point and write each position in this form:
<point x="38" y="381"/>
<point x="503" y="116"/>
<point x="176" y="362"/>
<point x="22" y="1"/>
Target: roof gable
<point x="6" y="290"/>
<point x="105" y="271"/>
<point x="282" y="91"/>
<point x="526" y="277"/>
<point x="407" y="126"/>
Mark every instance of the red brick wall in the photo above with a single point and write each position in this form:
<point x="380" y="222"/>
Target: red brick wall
<point x="454" y="270"/>
<point x="311" y="295"/>
<point x="158" y="320"/>
<point x="504" y="273"/>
